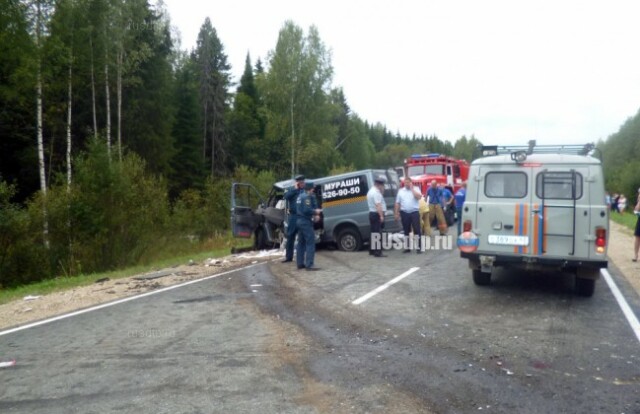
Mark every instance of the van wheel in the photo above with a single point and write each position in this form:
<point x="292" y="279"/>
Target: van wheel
<point x="349" y="240"/>
<point x="585" y="287"/>
<point x="481" y="278"/>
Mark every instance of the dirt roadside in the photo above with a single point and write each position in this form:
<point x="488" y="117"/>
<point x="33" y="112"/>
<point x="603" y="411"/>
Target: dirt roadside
<point x="620" y="252"/>
<point x="23" y="311"/>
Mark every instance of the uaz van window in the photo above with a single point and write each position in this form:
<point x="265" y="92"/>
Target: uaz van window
<point x="505" y="185"/>
<point x="391" y="188"/>
<point x="558" y="185"/>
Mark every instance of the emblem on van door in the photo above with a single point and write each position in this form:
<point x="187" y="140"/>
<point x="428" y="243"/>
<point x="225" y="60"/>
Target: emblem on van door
<point x="468" y="242"/>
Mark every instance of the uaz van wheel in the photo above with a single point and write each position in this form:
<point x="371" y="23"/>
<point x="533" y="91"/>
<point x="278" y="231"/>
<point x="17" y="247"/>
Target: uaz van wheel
<point x="481" y="278"/>
<point x="585" y="287"/>
<point x="349" y="240"/>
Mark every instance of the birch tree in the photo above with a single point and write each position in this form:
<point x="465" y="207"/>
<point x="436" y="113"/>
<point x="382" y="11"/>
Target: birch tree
<point x="296" y="93"/>
<point x="40" y="11"/>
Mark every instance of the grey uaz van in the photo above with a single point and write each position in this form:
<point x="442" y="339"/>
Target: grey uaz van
<point x="536" y="207"/>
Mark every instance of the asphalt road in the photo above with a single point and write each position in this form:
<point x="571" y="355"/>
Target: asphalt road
<point x="272" y="339"/>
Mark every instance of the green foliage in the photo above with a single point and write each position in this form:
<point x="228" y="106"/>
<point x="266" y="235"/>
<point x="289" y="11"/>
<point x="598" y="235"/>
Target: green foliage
<point x="261" y="180"/>
<point x="206" y="214"/>
<point x="14" y="226"/>
<point x="247" y="124"/>
<point x="621" y="159"/>
<point x="466" y="149"/>
<point x="392" y="156"/>
<point x="297" y="107"/>
<point x="187" y="164"/>
<point x="17" y="154"/>
<point x="627" y="220"/>
<point x="148" y="85"/>
<point x="214" y="81"/>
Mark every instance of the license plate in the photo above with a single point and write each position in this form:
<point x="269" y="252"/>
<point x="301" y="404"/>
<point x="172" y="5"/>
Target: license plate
<point x="508" y="240"/>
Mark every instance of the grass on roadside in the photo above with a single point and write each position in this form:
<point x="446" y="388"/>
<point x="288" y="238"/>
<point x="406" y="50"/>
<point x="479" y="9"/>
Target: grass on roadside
<point x="627" y="219"/>
<point x="69" y="282"/>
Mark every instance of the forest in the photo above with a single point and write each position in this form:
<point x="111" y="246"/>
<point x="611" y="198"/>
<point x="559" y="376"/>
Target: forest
<point x="117" y="147"/>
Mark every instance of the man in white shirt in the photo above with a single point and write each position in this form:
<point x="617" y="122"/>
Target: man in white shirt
<point x="377" y="208"/>
<point x="408" y="209"/>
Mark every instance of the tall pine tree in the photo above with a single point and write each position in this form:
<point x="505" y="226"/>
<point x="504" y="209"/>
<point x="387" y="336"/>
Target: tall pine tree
<point x="214" y="80"/>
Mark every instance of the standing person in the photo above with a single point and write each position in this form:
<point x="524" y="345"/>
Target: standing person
<point x="614" y="202"/>
<point x="307" y="209"/>
<point x="425" y="224"/>
<point x="408" y="209"/>
<point x="607" y="200"/>
<point x="460" y="196"/>
<point x="448" y="207"/>
<point x="291" y="196"/>
<point x="636" y="245"/>
<point x="622" y="204"/>
<point x="436" y="198"/>
<point x="377" y="208"/>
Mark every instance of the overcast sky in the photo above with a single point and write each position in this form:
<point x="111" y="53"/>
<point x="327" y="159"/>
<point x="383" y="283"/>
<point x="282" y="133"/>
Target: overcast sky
<point x="506" y="71"/>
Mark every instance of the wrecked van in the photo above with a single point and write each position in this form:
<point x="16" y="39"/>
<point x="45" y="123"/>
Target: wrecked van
<point x="343" y="199"/>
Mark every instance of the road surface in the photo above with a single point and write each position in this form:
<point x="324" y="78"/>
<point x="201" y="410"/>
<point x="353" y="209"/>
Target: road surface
<point x="273" y="339"/>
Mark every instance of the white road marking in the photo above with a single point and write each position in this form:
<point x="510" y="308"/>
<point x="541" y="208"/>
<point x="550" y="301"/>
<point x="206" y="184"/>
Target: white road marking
<point x="117" y="302"/>
<point x="622" y="302"/>
<point x="383" y="287"/>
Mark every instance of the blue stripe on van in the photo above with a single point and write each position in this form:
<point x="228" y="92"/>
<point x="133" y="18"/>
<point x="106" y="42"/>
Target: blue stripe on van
<point x="540" y="231"/>
<point x="520" y="223"/>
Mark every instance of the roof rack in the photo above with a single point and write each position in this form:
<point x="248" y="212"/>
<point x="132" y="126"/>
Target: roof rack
<point x="532" y="148"/>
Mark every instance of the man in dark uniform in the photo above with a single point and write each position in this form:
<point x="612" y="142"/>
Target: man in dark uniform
<point x="291" y="196"/>
<point x="377" y="208"/>
<point x="307" y="209"/>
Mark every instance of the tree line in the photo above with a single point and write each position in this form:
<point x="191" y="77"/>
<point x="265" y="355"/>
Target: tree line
<point x="621" y="159"/>
<point x="116" y="146"/>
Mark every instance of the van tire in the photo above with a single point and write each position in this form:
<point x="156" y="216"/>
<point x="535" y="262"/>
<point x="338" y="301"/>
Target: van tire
<point x="349" y="240"/>
<point x="585" y="287"/>
<point x="481" y="278"/>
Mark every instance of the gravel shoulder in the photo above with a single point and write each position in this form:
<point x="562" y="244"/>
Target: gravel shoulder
<point x="620" y="252"/>
<point x="23" y="311"/>
<point x="32" y="309"/>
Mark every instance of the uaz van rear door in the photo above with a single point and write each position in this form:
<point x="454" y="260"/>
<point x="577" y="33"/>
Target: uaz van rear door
<point x="503" y="199"/>
<point x="560" y="211"/>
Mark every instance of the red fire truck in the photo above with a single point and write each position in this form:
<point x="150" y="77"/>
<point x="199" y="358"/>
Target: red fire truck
<point x="447" y="171"/>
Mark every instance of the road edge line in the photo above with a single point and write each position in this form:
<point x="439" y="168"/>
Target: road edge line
<point x="622" y="302"/>
<point x="117" y="302"/>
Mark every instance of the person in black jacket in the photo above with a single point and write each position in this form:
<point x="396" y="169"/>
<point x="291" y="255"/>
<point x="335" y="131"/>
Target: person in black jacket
<point x="291" y="196"/>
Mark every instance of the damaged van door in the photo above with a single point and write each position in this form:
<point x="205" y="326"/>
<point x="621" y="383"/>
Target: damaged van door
<point x="252" y="216"/>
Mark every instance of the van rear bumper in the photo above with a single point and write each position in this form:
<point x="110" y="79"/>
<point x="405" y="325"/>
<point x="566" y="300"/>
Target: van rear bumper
<point x="502" y="260"/>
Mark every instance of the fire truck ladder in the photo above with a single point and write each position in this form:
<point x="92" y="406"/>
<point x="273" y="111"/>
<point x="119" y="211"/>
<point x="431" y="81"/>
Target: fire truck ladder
<point x="549" y="178"/>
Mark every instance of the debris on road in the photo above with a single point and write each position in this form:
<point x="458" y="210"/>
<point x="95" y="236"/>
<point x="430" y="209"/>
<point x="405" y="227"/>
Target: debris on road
<point x="157" y="275"/>
<point x="261" y="254"/>
<point x="31" y="297"/>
